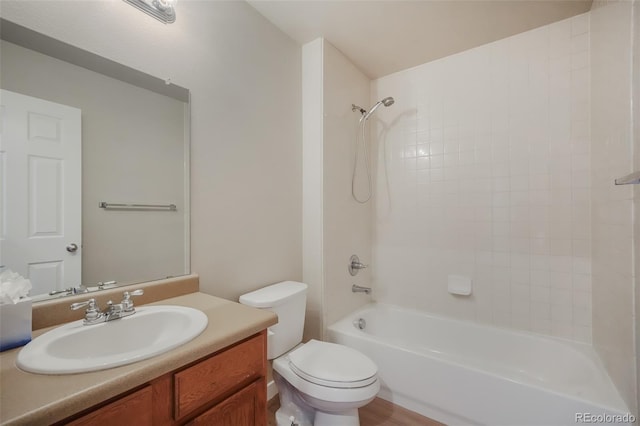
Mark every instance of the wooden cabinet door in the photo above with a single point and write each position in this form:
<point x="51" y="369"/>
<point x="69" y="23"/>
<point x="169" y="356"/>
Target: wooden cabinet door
<point x="240" y="409"/>
<point x="134" y="409"/>
<point x="212" y="378"/>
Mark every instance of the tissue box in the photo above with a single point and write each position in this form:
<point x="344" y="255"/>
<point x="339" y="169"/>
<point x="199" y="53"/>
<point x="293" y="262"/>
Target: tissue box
<point x="15" y="324"/>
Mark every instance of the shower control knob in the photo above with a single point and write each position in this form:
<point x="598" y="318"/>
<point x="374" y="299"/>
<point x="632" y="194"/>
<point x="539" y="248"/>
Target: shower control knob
<point x="355" y="265"/>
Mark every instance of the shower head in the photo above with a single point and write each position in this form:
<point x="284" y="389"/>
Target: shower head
<point x="386" y="102"/>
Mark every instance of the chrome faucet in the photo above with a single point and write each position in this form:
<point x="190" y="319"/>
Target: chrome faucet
<point x="355" y="265"/>
<point x="106" y="284"/>
<point x="93" y="314"/>
<point x="124" y="308"/>
<point x="359" y="289"/>
<point x="71" y="290"/>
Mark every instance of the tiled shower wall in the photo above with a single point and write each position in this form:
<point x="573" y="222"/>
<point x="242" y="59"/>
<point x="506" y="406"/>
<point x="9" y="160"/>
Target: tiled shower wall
<point x="483" y="170"/>
<point x="612" y="224"/>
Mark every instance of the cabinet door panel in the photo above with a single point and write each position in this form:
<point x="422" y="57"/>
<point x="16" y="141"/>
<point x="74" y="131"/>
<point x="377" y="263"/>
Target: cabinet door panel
<point x="134" y="409"/>
<point x="218" y="375"/>
<point x="237" y="410"/>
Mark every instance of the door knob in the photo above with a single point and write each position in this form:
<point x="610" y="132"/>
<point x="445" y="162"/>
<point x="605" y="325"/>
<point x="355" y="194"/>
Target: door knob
<point x="72" y="248"/>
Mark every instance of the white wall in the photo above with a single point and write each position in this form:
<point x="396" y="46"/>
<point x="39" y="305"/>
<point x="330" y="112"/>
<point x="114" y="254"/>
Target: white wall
<point x="335" y="225"/>
<point x="612" y="206"/>
<point x="487" y="156"/>
<point x="244" y="77"/>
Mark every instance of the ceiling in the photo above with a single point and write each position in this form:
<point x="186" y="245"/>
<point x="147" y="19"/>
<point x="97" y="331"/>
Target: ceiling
<point x="382" y="37"/>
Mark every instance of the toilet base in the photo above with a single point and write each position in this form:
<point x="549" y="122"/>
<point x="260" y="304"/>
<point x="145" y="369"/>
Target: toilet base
<point x="344" y="418"/>
<point x="348" y="418"/>
<point x="283" y="418"/>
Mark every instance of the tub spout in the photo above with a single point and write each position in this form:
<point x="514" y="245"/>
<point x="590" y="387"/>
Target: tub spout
<point x="359" y="289"/>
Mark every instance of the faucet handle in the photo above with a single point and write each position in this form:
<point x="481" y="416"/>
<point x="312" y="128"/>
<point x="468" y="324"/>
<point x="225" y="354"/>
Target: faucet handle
<point x="92" y="313"/>
<point x="103" y="285"/>
<point x="127" y="303"/>
<point x="355" y="265"/>
<point x="91" y="303"/>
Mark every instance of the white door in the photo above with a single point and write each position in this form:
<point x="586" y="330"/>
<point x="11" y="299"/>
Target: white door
<point x="40" y="199"/>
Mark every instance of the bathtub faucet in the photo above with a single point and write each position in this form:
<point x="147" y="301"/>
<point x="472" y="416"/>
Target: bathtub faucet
<point x="359" y="289"/>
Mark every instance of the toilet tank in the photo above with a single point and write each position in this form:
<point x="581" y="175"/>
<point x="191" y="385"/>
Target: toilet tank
<point x="288" y="299"/>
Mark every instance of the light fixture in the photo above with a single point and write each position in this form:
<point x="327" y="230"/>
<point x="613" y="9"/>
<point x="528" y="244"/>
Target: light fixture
<point x="162" y="10"/>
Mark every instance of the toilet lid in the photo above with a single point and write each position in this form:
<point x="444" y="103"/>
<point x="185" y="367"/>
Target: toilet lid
<point x="332" y="365"/>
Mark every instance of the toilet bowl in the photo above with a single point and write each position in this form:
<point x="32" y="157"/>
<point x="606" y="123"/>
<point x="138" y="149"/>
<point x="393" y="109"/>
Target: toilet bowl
<point x="332" y="379"/>
<point x="320" y="383"/>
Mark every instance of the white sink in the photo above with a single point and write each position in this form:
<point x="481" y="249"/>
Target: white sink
<point x="78" y="348"/>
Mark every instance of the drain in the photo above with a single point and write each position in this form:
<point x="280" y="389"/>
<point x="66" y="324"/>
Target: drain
<point x="360" y="323"/>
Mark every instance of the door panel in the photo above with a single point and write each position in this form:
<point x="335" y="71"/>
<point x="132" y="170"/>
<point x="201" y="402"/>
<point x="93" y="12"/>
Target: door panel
<point x="40" y="149"/>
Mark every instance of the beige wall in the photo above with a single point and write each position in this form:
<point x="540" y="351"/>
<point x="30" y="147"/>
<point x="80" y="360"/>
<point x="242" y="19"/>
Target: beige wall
<point x="335" y="225"/>
<point x="312" y="182"/>
<point x="347" y="224"/>
<point x="612" y="206"/>
<point x="244" y="77"/>
<point x="132" y="151"/>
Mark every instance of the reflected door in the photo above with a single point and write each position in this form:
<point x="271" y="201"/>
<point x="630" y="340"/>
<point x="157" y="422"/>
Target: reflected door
<point x="40" y="161"/>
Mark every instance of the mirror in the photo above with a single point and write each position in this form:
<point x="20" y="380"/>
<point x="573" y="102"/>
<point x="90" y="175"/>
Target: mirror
<point x="94" y="160"/>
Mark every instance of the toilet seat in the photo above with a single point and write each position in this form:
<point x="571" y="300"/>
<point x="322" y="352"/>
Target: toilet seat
<point x="332" y="365"/>
<point x="327" y="398"/>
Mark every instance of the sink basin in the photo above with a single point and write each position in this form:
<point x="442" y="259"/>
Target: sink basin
<point x="78" y="348"/>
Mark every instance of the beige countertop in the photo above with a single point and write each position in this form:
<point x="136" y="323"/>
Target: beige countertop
<point x="37" y="399"/>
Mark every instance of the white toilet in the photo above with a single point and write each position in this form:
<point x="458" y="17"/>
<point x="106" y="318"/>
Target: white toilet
<point x="320" y="383"/>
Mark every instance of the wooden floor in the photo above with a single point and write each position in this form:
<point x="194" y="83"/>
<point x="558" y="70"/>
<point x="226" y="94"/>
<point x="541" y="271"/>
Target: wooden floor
<point x="378" y="412"/>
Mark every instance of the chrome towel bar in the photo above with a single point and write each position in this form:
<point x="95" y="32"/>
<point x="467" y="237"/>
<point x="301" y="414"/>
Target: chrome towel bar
<point x="127" y="206"/>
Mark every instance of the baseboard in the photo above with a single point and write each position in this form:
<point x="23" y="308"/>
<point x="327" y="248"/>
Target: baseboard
<point x="272" y="390"/>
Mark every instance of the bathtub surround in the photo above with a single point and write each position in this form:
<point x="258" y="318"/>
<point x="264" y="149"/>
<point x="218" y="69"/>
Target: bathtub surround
<point x="246" y="180"/>
<point x="513" y="193"/>
<point x="612" y="224"/>
<point x="483" y="171"/>
<point x="335" y="225"/>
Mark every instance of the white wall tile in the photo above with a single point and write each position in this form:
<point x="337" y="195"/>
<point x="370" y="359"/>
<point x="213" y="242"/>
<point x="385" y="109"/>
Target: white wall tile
<point x="505" y="184"/>
<point x="612" y="226"/>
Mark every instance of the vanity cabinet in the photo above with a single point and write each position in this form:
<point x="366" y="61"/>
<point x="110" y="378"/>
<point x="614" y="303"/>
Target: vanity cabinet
<point x="225" y="388"/>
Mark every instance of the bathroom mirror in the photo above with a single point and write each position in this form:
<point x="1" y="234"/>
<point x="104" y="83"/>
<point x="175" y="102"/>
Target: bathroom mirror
<point x="129" y="222"/>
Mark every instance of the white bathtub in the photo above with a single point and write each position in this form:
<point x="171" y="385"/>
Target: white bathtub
<point x="460" y="372"/>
